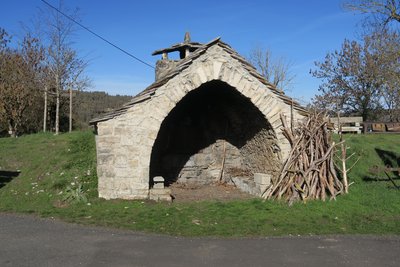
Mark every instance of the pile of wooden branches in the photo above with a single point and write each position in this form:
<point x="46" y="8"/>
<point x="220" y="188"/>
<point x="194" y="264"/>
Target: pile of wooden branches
<point x="309" y="172"/>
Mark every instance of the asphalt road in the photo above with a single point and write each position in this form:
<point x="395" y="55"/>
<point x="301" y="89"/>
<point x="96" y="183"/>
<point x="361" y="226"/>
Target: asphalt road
<point x="31" y="241"/>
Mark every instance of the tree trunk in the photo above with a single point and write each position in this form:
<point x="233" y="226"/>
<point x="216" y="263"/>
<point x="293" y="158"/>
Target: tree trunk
<point x="58" y="93"/>
<point x="344" y="168"/>
<point x="291" y="116"/>
<point x="45" y="110"/>
<point x="70" y="110"/>
<point x="343" y="155"/>
<point x="11" y="129"/>
<point x="57" y="126"/>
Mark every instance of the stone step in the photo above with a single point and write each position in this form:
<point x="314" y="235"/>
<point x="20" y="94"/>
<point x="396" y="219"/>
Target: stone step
<point x="160" y="194"/>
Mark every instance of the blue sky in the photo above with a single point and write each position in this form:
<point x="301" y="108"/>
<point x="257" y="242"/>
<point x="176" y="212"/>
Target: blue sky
<point x="300" y="31"/>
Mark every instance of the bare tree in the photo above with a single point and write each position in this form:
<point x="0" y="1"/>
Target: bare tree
<point x="4" y="39"/>
<point x="77" y="82"/>
<point x="64" y="65"/>
<point x="384" y="11"/>
<point x="274" y="70"/>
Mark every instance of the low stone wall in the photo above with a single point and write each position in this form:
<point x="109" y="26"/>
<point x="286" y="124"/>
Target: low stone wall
<point x="223" y="162"/>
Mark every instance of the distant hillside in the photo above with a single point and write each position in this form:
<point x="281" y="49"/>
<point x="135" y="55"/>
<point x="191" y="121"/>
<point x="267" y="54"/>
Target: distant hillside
<point x="88" y="105"/>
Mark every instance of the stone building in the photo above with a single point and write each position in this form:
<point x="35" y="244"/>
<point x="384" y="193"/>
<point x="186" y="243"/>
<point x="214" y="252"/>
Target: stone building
<point x="209" y="117"/>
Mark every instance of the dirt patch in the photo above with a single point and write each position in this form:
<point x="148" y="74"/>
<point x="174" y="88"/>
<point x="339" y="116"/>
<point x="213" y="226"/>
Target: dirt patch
<point x="190" y="193"/>
<point x="60" y="204"/>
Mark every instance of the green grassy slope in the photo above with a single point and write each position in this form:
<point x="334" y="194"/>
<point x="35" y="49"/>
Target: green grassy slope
<point x="58" y="179"/>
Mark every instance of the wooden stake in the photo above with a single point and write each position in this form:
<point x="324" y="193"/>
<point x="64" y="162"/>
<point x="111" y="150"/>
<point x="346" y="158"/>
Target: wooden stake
<point x="309" y="171"/>
<point x="221" y="173"/>
<point x="45" y="110"/>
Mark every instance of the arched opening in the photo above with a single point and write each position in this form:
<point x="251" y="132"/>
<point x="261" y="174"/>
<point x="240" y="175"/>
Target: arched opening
<point x="213" y="134"/>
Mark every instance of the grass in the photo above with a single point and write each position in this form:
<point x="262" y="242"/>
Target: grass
<point x="58" y="179"/>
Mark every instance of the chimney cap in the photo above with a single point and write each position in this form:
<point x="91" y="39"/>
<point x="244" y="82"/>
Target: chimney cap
<point x="180" y="47"/>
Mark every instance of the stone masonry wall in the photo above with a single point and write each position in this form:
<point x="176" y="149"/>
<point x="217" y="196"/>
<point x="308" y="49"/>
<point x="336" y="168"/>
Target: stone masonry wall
<point x="124" y="144"/>
<point x="205" y="166"/>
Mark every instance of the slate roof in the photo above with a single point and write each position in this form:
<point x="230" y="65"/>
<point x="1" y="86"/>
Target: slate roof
<point x="147" y="93"/>
<point x="179" y="47"/>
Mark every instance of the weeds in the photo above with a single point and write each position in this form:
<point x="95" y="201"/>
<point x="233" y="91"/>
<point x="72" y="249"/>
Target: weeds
<point x="75" y="195"/>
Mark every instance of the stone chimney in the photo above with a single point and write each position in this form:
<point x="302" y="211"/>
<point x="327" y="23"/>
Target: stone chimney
<point x="164" y="66"/>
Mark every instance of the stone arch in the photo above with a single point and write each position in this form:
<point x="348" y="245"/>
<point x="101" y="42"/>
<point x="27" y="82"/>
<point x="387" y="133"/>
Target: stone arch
<point x="214" y="128"/>
<point x="233" y="74"/>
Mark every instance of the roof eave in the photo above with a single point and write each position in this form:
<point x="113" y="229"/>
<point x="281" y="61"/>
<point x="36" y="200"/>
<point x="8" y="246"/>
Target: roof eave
<point x="178" y="47"/>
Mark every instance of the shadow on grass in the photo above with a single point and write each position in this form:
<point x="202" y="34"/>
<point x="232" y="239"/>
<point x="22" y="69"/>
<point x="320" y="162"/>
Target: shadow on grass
<point x="7" y="176"/>
<point x="389" y="160"/>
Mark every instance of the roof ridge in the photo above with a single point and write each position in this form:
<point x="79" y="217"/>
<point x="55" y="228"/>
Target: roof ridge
<point x="149" y="91"/>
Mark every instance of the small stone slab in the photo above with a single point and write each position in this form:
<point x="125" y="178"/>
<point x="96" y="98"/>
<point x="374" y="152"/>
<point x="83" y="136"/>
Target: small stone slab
<point x="160" y="194"/>
<point x="158" y="182"/>
<point x="262" y="179"/>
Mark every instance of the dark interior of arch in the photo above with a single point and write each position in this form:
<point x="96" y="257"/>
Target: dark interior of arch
<point x="214" y="132"/>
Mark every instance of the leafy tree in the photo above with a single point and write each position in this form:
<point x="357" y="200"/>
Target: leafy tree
<point x="18" y="83"/>
<point x="362" y="77"/>
<point x="386" y="45"/>
<point x="349" y="83"/>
